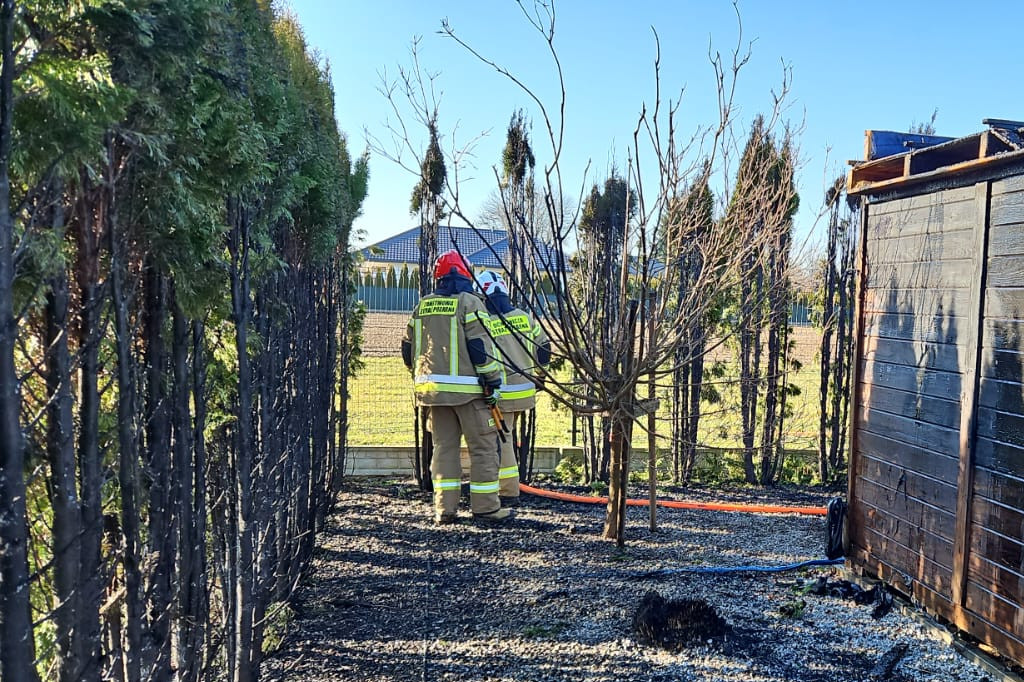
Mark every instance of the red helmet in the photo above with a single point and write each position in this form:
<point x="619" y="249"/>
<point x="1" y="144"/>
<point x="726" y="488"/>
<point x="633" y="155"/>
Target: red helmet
<point x="452" y="260"/>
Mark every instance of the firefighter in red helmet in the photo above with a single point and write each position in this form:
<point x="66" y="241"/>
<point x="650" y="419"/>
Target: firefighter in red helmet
<point x="523" y="351"/>
<point x="457" y="378"/>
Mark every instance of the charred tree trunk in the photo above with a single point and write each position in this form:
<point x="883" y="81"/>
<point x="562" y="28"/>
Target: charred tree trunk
<point x="828" y="323"/>
<point x="778" y="303"/>
<point x="843" y="360"/>
<point x="198" y="608"/>
<point x="523" y="435"/>
<point x="264" y="529"/>
<point x="90" y="213"/>
<point x="780" y="442"/>
<point x="63" y="487"/>
<point x="127" y="464"/>
<point x="345" y="341"/>
<point x="189" y="542"/>
<point x="17" y="646"/>
<point x="60" y="450"/>
<point x="241" y="483"/>
<point x="428" y="256"/>
<point x="698" y="344"/>
<point x="225" y="528"/>
<point x="749" y="333"/>
<point x="327" y="377"/>
<point x="836" y="344"/>
<point x="162" y="540"/>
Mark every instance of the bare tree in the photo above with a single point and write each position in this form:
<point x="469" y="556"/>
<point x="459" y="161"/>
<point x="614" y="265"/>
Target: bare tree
<point x="415" y="101"/>
<point x="608" y="361"/>
<point x="491" y="214"/>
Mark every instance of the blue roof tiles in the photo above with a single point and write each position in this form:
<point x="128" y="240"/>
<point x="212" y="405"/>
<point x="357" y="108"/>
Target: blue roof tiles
<point x="484" y="247"/>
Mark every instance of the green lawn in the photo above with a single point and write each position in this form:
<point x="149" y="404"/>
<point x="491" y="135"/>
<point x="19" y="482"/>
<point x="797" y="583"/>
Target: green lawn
<point x="381" y="411"/>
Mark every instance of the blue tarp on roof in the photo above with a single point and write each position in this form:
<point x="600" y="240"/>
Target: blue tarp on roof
<point x="485" y="248"/>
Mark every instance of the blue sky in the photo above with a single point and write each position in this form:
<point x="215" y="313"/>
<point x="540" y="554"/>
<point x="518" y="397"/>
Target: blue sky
<point x="855" y="66"/>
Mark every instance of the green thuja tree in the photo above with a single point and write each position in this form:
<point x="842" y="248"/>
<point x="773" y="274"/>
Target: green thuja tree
<point x="180" y="201"/>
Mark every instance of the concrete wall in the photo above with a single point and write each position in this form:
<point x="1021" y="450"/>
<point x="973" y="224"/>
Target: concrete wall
<point x="389" y="460"/>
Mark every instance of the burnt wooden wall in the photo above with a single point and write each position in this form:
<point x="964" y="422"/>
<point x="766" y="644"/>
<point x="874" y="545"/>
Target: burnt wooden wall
<point x="937" y="449"/>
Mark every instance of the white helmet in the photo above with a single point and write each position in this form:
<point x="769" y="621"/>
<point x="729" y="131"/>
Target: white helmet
<point x="491" y="282"/>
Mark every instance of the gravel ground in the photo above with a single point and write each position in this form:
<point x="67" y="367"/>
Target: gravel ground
<point x="391" y="597"/>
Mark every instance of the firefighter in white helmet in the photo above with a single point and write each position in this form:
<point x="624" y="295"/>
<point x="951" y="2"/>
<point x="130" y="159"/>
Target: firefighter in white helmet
<point x="456" y="376"/>
<point x="523" y="349"/>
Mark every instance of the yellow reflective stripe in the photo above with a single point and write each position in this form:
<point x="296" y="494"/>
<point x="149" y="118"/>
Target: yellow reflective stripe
<point x="418" y="332"/>
<point x="514" y="391"/>
<point x="438" y="387"/>
<point x="513" y="395"/>
<point x="491" y="366"/>
<point x="485" y="487"/>
<point x="453" y="347"/>
<point x="448" y="484"/>
<point x="446" y="379"/>
<point x="472" y="317"/>
<point x="508" y="472"/>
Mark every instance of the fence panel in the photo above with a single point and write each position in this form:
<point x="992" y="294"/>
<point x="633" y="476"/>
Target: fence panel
<point x="387" y="299"/>
<point x="384" y="299"/>
<point x="381" y="408"/>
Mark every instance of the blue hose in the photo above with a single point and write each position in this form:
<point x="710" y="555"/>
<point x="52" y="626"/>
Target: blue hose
<point x="725" y="570"/>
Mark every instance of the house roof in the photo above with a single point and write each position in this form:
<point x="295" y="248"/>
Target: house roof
<point x="483" y="247"/>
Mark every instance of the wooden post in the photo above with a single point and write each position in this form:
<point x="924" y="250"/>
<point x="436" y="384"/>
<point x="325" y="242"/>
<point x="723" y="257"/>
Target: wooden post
<point x="969" y="385"/>
<point x="652" y="439"/>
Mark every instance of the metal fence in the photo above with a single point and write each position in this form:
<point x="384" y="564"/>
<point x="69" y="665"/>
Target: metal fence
<point x="800" y="315"/>
<point x="381" y="407"/>
<point x="387" y="299"/>
<point x="384" y="299"/>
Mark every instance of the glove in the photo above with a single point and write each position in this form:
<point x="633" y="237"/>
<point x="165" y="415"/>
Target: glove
<point x="491" y="395"/>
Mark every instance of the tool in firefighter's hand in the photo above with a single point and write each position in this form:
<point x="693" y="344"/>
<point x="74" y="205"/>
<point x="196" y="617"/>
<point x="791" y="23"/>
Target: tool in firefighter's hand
<point x="499" y="421"/>
<point x="491" y="395"/>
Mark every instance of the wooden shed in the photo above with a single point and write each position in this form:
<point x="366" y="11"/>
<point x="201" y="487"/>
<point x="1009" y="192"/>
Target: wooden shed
<point x="936" y="492"/>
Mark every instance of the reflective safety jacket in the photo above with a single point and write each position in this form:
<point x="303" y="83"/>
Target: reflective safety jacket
<point x="448" y="349"/>
<point x="522" y="345"/>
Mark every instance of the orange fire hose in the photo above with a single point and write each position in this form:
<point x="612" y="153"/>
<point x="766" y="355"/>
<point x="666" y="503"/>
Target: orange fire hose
<point x="678" y="504"/>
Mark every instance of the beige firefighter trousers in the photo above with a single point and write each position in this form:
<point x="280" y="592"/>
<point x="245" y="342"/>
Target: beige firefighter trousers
<point x="508" y="467"/>
<point x="448" y="424"/>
